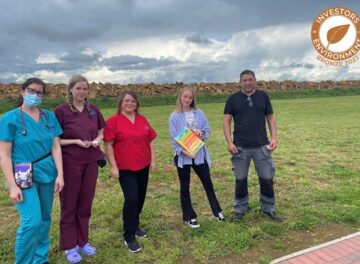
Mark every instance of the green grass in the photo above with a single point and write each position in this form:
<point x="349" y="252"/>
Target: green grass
<point x="317" y="184"/>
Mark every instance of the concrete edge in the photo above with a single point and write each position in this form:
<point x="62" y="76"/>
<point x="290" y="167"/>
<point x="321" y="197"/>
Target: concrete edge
<point x="278" y="260"/>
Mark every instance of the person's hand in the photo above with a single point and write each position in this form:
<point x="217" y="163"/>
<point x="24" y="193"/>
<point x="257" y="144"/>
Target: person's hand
<point x="272" y="145"/>
<point x="198" y="132"/>
<point x="84" y="143"/>
<point x="187" y="154"/>
<point x="232" y="148"/>
<point x="59" y="183"/>
<point x="152" y="166"/>
<point x="16" y="194"/>
<point x="114" y="172"/>
<point x="95" y="143"/>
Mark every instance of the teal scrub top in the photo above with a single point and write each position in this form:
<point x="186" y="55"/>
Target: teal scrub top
<point x="37" y="142"/>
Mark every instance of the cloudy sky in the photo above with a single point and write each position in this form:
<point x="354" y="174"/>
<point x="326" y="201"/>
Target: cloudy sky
<point x="137" y="41"/>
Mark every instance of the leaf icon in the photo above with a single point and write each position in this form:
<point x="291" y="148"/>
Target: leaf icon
<point x="336" y="34"/>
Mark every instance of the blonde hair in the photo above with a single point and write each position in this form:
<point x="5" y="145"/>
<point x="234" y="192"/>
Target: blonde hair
<point x="72" y="82"/>
<point x="179" y="107"/>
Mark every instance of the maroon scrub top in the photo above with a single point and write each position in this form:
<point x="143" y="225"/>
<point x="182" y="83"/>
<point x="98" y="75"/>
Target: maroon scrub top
<point x="131" y="141"/>
<point x="83" y="125"/>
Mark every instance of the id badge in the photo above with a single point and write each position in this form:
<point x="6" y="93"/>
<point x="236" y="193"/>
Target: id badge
<point x="23" y="175"/>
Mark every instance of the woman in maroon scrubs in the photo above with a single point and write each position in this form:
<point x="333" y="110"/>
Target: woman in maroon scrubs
<point x="128" y="140"/>
<point x="82" y="125"/>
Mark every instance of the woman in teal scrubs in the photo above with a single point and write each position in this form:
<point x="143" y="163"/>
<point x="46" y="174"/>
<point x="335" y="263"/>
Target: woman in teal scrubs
<point x="27" y="134"/>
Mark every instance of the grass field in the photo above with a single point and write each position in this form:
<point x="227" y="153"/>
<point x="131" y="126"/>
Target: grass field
<point x="317" y="187"/>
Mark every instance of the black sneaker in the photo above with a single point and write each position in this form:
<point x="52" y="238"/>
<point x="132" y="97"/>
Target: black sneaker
<point x="140" y="233"/>
<point x="192" y="223"/>
<point x="274" y="217"/>
<point x="133" y="246"/>
<point x="239" y="215"/>
<point x="220" y="217"/>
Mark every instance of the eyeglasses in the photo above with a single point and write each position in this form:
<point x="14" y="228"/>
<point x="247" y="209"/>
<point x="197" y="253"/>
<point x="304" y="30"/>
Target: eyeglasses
<point x="33" y="91"/>
<point x="250" y="103"/>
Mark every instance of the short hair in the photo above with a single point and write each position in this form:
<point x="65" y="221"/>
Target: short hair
<point x="179" y="107"/>
<point x="247" y="72"/>
<point x="121" y="99"/>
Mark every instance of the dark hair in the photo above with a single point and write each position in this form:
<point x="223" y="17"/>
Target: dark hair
<point x="26" y="84"/>
<point x="247" y="72"/>
<point x="133" y="95"/>
<point x="72" y="82"/>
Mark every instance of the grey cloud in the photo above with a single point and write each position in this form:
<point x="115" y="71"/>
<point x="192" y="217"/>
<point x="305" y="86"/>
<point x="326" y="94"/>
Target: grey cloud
<point x="224" y="16"/>
<point x="135" y="63"/>
<point x="309" y="65"/>
<point x="71" y="21"/>
<point x="198" y="39"/>
<point x="7" y="79"/>
<point x="190" y="73"/>
<point x="77" y="59"/>
<point x="74" y="61"/>
<point x="301" y="65"/>
<point x="31" y="28"/>
<point x="94" y="21"/>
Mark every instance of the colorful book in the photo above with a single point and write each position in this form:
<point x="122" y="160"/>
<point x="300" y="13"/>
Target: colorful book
<point x="189" y="141"/>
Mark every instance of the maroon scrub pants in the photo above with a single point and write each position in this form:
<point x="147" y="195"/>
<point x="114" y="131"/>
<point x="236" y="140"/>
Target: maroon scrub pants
<point x="75" y="201"/>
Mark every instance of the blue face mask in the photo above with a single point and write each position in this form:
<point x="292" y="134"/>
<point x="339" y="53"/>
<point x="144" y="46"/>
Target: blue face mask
<point x="32" y="100"/>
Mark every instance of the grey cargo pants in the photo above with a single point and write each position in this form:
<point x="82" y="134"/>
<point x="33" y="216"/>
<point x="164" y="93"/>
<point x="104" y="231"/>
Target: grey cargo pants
<point x="265" y="169"/>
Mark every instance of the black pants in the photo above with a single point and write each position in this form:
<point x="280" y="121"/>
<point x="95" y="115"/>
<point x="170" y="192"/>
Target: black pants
<point x="133" y="185"/>
<point x="203" y="173"/>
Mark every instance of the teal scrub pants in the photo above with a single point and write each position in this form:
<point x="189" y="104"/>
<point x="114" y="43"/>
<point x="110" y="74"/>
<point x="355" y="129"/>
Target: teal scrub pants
<point x="32" y="238"/>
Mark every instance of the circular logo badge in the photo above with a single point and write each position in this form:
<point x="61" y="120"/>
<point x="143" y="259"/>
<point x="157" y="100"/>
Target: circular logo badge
<point x="335" y="34"/>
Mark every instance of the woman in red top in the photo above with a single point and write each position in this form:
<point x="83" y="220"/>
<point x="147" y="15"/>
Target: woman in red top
<point x="128" y="140"/>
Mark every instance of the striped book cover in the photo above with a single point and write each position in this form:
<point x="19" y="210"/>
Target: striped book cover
<point x="189" y="141"/>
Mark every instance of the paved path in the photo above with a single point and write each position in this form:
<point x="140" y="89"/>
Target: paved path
<point x="344" y="250"/>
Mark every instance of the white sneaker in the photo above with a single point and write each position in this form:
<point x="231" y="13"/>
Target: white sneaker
<point x="220" y="217"/>
<point x="192" y="223"/>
